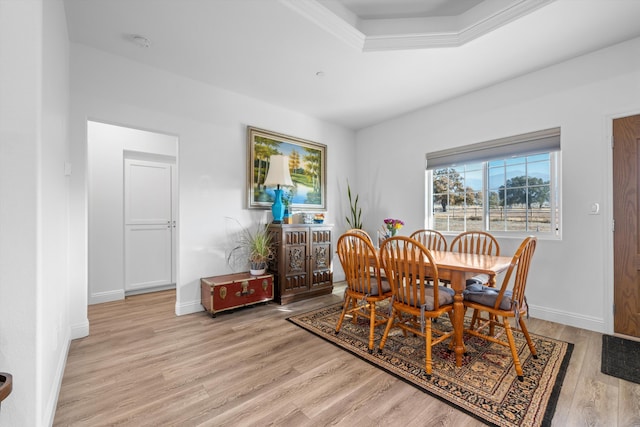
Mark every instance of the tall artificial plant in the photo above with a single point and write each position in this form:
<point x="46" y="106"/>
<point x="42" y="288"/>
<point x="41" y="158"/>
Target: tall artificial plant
<point x="355" y="221"/>
<point x="255" y="245"/>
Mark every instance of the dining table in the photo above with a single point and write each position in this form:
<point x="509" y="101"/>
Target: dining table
<point x="456" y="268"/>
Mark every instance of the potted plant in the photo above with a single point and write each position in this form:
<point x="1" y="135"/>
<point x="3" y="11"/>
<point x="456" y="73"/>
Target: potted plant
<point x="355" y="221"/>
<point x="256" y="244"/>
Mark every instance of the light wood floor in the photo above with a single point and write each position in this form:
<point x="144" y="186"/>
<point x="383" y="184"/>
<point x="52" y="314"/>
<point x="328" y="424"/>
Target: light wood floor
<point x="144" y="366"/>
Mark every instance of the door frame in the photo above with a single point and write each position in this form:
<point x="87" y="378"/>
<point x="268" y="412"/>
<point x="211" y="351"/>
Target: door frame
<point x="135" y="147"/>
<point x="609" y="288"/>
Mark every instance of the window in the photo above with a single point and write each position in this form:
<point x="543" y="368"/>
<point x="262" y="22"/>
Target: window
<point x="504" y="186"/>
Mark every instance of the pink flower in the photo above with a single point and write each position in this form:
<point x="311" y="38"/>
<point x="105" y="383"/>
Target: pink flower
<point x="393" y="225"/>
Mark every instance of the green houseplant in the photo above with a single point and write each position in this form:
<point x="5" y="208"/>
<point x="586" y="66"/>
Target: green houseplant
<point x="256" y="245"/>
<point x="355" y="219"/>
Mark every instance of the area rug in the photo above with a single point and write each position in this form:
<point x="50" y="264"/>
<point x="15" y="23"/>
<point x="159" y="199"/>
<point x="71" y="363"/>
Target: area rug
<point x="485" y="387"/>
<point x="621" y="358"/>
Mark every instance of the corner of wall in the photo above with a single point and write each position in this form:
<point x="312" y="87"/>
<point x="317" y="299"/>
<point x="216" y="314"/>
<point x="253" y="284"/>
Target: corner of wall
<point x="80" y="330"/>
<point x="188" y="307"/>
<point x="52" y="401"/>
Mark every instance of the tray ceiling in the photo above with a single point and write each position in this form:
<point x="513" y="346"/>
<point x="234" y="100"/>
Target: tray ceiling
<point x="351" y="62"/>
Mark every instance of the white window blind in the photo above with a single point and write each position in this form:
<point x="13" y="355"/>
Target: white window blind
<point x="543" y="141"/>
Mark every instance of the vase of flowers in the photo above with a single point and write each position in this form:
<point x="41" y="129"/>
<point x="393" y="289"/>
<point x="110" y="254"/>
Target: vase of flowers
<point x="392" y="226"/>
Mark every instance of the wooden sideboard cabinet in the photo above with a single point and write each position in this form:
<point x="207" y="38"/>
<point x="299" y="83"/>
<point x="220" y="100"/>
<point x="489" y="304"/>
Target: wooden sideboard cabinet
<point x="301" y="265"/>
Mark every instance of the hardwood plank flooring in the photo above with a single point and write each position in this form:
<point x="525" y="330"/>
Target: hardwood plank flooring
<point x="144" y="366"/>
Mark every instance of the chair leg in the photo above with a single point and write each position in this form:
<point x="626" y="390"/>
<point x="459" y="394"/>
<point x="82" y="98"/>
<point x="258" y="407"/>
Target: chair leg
<point x="451" y="341"/>
<point x="372" y="325"/>
<point x="514" y="351"/>
<point x="492" y="324"/>
<point x="474" y="319"/>
<point x="354" y="306"/>
<point x="345" y="307"/>
<point x="394" y="313"/>
<point x="399" y="317"/>
<point x="525" y="331"/>
<point x="428" y="361"/>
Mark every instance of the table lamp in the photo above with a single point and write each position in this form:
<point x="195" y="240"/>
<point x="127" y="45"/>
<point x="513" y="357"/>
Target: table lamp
<point x="278" y="175"/>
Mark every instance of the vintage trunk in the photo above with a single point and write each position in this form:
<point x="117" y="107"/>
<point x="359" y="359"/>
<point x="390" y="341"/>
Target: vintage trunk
<point x="219" y="293"/>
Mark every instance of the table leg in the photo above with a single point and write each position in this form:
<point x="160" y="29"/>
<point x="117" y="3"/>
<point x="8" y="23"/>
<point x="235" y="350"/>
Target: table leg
<point x="458" y="285"/>
<point x="492" y="280"/>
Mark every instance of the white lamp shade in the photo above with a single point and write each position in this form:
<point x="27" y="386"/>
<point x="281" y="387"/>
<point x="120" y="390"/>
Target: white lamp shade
<point x="278" y="173"/>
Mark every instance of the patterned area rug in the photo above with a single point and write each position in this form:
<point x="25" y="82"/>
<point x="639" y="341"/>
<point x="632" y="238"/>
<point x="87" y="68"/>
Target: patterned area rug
<point x="485" y="387"/>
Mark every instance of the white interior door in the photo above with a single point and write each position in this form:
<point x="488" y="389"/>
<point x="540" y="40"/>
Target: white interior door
<point x="149" y="224"/>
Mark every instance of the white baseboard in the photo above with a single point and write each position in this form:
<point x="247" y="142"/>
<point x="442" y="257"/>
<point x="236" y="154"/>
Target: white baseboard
<point x="188" y="307"/>
<point x="52" y="403"/>
<point x="80" y="330"/>
<point x="100" y="297"/>
<point x="146" y="290"/>
<point x="571" y="319"/>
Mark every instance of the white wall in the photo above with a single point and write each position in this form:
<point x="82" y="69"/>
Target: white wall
<point x="54" y="333"/>
<point x="106" y="151"/>
<point x="212" y="160"/>
<point x="20" y="124"/>
<point x="34" y="289"/>
<point x="571" y="279"/>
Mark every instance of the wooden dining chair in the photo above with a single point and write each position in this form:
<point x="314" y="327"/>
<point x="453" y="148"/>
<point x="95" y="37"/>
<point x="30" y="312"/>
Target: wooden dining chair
<point x="431" y="239"/>
<point x="415" y="302"/>
<point x="362" y="233"/>
<point x="365" y="285"/>
<point x="504" y="303"/>
<point x="481" y="243"/>
<point x="477" y="242"/>
<point x="368" y="237"/>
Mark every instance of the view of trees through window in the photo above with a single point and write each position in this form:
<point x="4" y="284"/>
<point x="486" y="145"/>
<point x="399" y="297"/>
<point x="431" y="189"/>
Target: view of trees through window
<point x="512" y="194"/>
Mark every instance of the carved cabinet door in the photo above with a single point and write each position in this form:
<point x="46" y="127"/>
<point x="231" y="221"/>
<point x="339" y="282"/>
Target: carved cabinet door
<point x="320" y="257"/>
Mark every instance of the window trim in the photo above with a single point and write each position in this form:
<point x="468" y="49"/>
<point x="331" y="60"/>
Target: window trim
<point x="546" y="141"/>
<point x="542" y="141"/>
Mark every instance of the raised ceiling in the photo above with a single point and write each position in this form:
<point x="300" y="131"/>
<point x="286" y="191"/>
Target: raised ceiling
<point x="375" y="25"/>
<point x="344" y="60"/>
<point x="399" y="9"/>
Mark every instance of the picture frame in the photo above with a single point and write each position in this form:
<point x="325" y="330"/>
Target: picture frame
<point x="308" y="162"/>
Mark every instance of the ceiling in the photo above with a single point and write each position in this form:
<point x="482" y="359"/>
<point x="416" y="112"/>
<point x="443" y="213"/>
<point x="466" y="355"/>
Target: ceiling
<point x="352" y="62"/>
<point x="379" y="9"/>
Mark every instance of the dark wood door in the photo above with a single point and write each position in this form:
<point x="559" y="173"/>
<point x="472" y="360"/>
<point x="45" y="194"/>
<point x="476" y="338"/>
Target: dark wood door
<point x="626" y="237"/>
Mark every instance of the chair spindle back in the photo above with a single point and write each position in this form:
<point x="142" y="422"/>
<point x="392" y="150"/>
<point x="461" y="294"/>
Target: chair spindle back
<point x="520" y="264"/>
<point x="431" y="239"/>
<point x="405" y="261"/>
<point x="357" y="256"/>
<point x="475" y="242"/>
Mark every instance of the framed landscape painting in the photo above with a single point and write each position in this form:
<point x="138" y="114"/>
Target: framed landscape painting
<point x="307" y="166"/>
